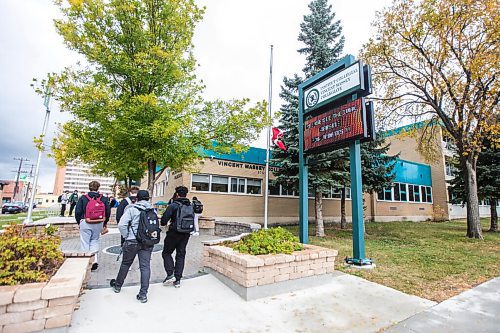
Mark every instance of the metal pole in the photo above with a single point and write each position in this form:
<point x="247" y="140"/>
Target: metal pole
<point x="40" y="152"/>
<point x="303" y="178"/>
<point x="16" y="187"/>
<point x="266" y="193"/>
<point x="358" y="228"/>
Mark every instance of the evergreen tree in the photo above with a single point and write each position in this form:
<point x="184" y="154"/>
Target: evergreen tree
<point x="323" y="40"/>
<point x="488" y="182"/>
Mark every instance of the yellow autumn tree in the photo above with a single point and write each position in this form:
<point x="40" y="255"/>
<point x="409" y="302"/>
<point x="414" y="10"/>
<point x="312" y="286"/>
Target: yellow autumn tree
<point x="439" y="60"/>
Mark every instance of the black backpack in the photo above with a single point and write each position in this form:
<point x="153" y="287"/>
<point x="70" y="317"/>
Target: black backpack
<point x="185" y="218"/>
<point x="148" y="230"/>
<point x="197" y="207"/>
<point x="59" y="198"/>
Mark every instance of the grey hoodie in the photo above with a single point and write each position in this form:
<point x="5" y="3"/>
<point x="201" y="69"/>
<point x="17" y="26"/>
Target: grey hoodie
<point x="131" y="215"/>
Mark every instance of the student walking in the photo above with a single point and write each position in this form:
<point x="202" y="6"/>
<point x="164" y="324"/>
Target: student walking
<point x="198" y="209"/>
<point x="92" y="215"/>
<point x="140" y="227"/>
<point x="73" y="199"/>
<point x="64" y="201"/>
<point x="180" y="214"/>
<point x="131" y="199"/>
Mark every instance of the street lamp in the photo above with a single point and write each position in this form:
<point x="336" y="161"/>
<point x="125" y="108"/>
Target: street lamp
<point x="46" y="103"/>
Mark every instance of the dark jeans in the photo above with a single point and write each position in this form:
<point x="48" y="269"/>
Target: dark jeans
<point x="130" y="249"/>
<point x="63" y="209"/>
<point x="71" y="207"/>
<point x="175" y="241"/>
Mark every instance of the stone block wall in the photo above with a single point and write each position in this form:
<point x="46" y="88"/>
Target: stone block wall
<point x="224" y="228"/>
<point x="65" y="229"/>
<point x="34" y="307"/>
<point x="250" y="271"/>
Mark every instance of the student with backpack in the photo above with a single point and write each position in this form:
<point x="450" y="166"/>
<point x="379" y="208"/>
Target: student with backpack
<point x="92" y="215"/>
<point x="63" y="199"/>
<point x="180" y="214"/>
<point x="140" y="227"/>
<point x="198" y="209"/>
<point x="131" y="199"/>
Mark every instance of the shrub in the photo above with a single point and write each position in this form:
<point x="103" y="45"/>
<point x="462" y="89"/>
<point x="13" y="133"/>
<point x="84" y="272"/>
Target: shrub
<point x="26" y="258"/>
<point x="265" y="241"/>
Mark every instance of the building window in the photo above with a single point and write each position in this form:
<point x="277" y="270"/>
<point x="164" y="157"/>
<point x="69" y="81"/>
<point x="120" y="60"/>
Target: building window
<point x="406" y="192"/>
<point x="219" y="184"/>
<point x="201" y="182"/>
<point x="254" y="186"/>
<point x="238" y="185"/>
<point x="274" y="189"/>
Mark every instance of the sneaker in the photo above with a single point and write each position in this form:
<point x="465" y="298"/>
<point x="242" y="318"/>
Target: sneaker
<point x="94" y="266"/>
<point x="168" y="279"/>
<point x="142" y="298"/>
<point x="177" y="283"/>
<point x="113" y="285"/>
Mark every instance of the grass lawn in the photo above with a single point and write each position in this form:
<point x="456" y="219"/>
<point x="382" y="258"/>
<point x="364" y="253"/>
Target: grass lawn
<point x="19" y="218"/>
<point x="428" y="259"/>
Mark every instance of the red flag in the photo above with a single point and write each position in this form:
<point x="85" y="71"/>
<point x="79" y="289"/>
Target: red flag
<point x="277" y="136"/>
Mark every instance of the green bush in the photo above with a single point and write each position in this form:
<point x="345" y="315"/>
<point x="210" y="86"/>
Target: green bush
<point x="265" y="241"/>
<point x="26" y="258"/>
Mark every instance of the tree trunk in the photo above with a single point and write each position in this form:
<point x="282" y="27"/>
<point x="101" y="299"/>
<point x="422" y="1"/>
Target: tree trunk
<point x="151" y="176"/>
<point x="318" y="204"/>
<point x="494" y="215"/>
<point x="473" y="222"/>
<point x="343" y="222"/>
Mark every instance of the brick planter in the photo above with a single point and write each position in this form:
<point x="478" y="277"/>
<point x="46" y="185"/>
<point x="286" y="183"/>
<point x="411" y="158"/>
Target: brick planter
<point x="65" y="229"/>
<point x="37" y="306"/>
<point x="265" y="275"/>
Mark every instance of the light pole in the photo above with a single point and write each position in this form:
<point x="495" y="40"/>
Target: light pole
<point x="46" y="102"/>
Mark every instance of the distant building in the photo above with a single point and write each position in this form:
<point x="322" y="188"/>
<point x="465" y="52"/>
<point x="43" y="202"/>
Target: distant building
<point x="77" y="176"/>
<point x="8" y="191"/>
<point x="45" y="200"/>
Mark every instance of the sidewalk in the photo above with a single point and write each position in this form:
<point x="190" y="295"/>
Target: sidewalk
<point x="475" y="310"/>
<point x="203" y="304"/>
<point x="108" y="266"/>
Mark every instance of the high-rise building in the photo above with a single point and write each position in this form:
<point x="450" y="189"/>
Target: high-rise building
<point x="77" y="176"/>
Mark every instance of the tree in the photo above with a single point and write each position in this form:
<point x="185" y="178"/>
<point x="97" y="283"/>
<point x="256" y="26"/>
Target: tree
<point x="488" y="182"/>
<point x="438" y="60"/>
<point x="138" y="100"/>
<point x="324" y="43"/>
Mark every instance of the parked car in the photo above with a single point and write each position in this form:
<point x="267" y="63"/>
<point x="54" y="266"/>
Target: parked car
<point x="14" y="207"/>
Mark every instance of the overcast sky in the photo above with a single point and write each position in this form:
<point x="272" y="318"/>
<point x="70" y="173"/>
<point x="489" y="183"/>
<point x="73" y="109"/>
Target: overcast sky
<point x="231" y="47"/>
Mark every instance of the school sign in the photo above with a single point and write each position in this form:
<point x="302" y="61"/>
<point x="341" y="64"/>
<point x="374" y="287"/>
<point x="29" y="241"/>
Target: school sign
<point x="332" y="115"/>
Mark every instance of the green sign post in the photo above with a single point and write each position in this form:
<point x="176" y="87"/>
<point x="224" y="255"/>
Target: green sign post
<point x="332" y="115"/>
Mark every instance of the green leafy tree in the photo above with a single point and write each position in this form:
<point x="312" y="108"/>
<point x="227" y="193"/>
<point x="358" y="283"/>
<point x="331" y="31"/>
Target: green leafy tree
<point x="438" y="60"/>
<point x="138" y="100"/>
<point x="488" y="181"/>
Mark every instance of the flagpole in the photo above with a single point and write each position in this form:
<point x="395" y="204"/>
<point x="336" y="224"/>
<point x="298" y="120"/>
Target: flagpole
<point x="266" y="193"/>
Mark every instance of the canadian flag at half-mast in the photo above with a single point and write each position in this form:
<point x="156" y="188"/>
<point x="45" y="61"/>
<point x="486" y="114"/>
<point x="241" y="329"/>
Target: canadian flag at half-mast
<point x="277" y="136"/>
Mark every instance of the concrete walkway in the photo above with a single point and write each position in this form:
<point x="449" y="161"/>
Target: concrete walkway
<point x="203" y="304"/>
<point x="476" y="310"/>
<point x="109" y="266"/>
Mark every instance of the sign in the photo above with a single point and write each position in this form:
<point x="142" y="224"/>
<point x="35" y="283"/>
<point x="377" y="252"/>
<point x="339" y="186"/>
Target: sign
<point x="333" y="127"/>
<point x="342" y="83"/>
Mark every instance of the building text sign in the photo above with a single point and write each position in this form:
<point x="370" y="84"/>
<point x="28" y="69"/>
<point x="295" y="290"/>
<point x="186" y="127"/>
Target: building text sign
<point x="335" y="86"/>
<point x="335" y="126"/>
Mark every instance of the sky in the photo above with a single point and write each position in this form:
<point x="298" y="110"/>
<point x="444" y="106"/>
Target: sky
<point x="232" y="48"/>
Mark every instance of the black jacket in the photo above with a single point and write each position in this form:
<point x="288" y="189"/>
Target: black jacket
<point x="171" y="212"/>
<point x="121" y="208"/>
<point x="82" y="204"/>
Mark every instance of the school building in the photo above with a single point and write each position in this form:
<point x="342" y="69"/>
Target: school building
<point x="231" y="188"/>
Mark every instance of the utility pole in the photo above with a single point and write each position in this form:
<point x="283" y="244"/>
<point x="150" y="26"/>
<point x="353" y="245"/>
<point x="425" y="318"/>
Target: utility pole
<point x="29" y="183"/>
<point x="16" y="187"/>
<point x="46" y="103"/>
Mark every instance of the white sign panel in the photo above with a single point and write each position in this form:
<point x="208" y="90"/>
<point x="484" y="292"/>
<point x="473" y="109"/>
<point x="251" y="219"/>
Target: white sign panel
<point x="334" y="86"/>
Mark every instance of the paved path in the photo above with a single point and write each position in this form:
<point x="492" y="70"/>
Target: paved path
<point x="476" y="310"/>
<point x="108" y="266"/>
<point x="203" y="304"/>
